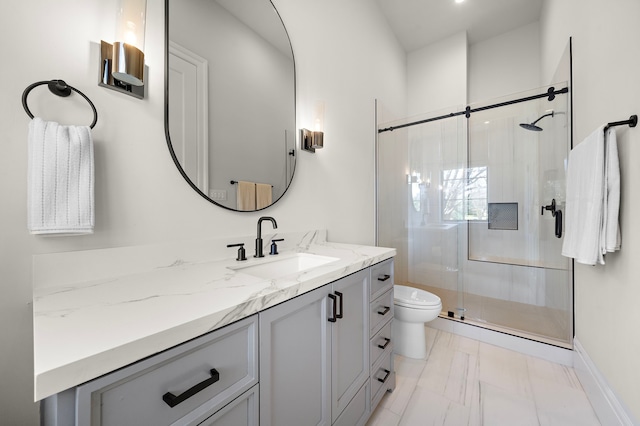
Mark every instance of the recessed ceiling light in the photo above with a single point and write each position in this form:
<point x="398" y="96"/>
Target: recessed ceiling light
<point x="459" y="1"/>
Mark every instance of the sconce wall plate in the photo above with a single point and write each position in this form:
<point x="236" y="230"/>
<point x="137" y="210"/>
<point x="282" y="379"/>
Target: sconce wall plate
<point x="126" y="61"/>
<point x="310" y="141"/>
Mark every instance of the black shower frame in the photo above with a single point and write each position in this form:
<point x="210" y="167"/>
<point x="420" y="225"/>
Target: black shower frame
<point x="550" y="94"/>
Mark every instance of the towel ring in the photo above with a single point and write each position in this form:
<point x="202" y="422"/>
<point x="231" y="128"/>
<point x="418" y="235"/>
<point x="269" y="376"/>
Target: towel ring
<point x="59" y="88"/>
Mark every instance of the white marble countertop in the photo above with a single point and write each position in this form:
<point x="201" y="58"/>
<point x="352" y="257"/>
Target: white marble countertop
<point x="84" y="329"/>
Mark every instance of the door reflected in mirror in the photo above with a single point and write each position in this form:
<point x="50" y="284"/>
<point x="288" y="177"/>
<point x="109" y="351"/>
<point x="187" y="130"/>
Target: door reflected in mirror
<point x="230" y="100"/>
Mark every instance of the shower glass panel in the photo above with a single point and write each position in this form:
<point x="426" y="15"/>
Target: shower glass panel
<point x="418" y="167"/>
<point x="463" y="201"/>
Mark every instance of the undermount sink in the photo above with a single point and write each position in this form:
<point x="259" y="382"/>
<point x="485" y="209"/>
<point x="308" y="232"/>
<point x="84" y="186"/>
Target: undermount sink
<point x="277" y="266"/>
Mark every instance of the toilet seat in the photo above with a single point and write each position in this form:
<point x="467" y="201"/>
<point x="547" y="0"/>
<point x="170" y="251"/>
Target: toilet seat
<point x="415" y="298"/>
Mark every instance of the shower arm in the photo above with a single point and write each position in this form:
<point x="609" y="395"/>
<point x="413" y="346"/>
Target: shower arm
<point x="546" y="115"/>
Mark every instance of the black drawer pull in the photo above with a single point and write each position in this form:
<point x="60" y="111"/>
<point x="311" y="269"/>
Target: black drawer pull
<point x="384" y="277"/>
<point x="339" y="315"/>
<point x="333" y="311"/>
<point x="386" y="376"/>
<point x="384" y="311"/>
<point x="173" y="400"/>
<point x="386" y="343"/>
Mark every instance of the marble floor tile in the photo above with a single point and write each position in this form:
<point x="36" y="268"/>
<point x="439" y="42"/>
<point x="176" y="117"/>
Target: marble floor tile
<point x="408" y="372"/>
<point x="428" y="408"/>
<point x="466" y="382"/>
<point x="500" y="407"/>
<point x="505" y="369"/>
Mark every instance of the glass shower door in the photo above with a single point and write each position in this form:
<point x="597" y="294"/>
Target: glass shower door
<point x="515" y="276"/>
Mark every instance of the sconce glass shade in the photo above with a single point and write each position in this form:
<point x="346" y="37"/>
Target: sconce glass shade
<point x="130" y="22"/>
<point x="310" y="140"/>
<point x="122" y="63"/>
<point x="128" y="64"/>
<point x="317" y="140"/>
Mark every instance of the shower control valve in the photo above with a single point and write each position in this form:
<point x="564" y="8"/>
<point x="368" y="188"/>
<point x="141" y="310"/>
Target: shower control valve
<point x="551" y="207"/>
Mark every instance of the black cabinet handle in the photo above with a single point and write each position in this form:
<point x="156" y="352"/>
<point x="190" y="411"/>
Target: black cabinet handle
<point x="339" y="315"/>
<point x="386" y="376"/>
<point x="386" y="343"/>
<point x="384" y="311"/>
<point x="173" y="400"/>
<point x="384" y="277"/>
<point x="333" y="311"/>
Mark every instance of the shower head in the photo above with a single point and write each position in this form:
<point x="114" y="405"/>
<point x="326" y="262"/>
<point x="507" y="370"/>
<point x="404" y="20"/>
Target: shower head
<point x="532" y="126"/>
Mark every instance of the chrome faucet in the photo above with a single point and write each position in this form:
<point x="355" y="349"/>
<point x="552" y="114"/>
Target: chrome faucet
<point x="259" y="238"/>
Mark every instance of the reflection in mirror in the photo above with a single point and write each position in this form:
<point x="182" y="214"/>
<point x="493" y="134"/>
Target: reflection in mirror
<point x="230" y="100"/>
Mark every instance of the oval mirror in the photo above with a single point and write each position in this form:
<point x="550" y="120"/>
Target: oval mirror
<point x="230" y="100"/>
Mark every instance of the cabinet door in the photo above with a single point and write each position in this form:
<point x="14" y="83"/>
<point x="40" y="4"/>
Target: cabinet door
<point x="295" y="361"/>
<point x="350" y="340"/>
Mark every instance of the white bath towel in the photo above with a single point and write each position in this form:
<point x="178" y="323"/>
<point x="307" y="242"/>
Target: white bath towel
<point x="583" y="210"/>
<point x="60" y="193"/>
<point x="610" y="240"/>
<point x="593" y="199"/>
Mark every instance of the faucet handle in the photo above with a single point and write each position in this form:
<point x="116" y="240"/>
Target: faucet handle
<point x="274" y="246"/>
<point x="241" y="251"/>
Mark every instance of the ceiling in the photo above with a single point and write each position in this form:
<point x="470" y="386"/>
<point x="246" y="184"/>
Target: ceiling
<point x="418" y="23"/>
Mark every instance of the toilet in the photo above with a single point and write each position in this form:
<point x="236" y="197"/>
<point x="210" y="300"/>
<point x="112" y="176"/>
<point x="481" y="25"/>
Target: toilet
<point x="412" y="309"/>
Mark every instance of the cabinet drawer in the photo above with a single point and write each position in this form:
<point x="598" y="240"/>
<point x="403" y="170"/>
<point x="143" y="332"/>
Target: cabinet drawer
<point x="242" y="411"/>
<point x="138" y="394"/>
<point x="380" y="343"/>
<point x="382" y="379"/>
<point x="381" y="311"/>
<point x="381" y="278"/>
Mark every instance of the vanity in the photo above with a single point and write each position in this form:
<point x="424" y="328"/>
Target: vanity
<point x="176" y="338"/>
<point x="192" y="333"/>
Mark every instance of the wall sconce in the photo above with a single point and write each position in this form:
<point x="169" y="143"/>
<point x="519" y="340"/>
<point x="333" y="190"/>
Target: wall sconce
<point x="312" y="140"/>
<point x="122" y="63"/>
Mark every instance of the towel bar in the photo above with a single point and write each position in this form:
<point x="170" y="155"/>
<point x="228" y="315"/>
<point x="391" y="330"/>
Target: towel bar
<point x="233" y="182"/>
<point x="632" y="122"/>
<point x="59" y="88"/>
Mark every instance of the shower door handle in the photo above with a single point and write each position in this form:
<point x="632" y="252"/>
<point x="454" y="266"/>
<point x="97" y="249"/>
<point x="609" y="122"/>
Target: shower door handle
<point x="557" y="214"/>
<point x="558" y="217"/>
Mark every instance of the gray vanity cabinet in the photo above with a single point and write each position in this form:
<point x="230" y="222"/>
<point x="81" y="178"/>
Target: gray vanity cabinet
<point x="210" y="380"/>
<point x="349" y="341"/>
<point x="314" y="356"/>
<point x="324" y="358"/>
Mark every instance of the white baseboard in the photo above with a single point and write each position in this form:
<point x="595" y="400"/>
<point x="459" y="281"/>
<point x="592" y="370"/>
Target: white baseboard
<point x="609" y="408"/>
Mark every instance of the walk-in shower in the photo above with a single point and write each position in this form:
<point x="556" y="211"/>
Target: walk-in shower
<point x="460" y="196"/>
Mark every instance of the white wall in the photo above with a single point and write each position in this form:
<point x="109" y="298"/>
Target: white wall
<point x="437" y="75"/>
<point x="140" y="197"/>
<point x="505" y="64"/>
<point x="606" y="66"/>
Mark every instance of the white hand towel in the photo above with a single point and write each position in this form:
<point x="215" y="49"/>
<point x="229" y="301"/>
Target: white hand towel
<point x="585" y="192"/>
<point x="60" y="193"/>
<point x="611" y="225"/>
